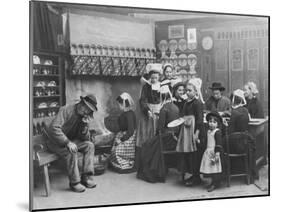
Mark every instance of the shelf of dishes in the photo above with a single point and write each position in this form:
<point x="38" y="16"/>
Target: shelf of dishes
<point x="45" y="61"/>
<point x="45" y="71"/>
<point x="109" y="66"/>
<point x="39" y="92"/>
<point x="45" y="109"/>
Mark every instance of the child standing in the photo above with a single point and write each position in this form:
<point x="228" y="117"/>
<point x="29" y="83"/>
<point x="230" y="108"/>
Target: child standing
<point x="211" y="161"/>
<point x="191" y="162"/>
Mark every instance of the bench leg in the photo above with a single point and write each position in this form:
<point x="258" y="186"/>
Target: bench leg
<point x="46" y="180"/>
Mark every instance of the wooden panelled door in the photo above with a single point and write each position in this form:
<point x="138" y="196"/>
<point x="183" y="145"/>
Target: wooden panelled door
<point x="241" y="55"/>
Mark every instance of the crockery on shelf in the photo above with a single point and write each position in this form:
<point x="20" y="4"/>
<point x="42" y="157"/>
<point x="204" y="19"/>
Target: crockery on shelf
<point x="48" y="62"/>
<point x="36" y="59"/>
<point x="52" y="83"/>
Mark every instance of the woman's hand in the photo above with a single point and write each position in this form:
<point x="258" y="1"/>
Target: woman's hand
<point x="117" y="141"/>
<point x="72" y="147"/>
<point x="196" y="137"/>
<point x="150" y="114"/>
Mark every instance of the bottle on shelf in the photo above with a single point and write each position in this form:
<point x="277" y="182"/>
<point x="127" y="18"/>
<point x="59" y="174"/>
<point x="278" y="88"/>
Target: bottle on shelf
<point x="38" y="127"/>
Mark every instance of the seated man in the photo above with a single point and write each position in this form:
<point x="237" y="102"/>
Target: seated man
<point x="217" y="102"/>
<point x="67" y="134"/>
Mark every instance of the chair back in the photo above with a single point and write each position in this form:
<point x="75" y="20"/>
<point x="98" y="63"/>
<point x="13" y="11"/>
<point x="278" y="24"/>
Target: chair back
<point x="237" y="143"/>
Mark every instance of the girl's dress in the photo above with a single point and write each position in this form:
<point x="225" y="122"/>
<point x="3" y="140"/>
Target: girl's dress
<point x="122" y="156"/>
<point x="211" y="161"/>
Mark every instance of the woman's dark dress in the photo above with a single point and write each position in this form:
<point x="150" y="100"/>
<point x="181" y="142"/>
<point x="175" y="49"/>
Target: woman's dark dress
<point x="152" y="166"/>
<point x="254" y="107"/>
<point x="145" y="128"/>
<point x="179" y="103"/>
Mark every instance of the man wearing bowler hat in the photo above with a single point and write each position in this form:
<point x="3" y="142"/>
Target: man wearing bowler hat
<point x="217" y="102"/>
<point x="68" y="134"/>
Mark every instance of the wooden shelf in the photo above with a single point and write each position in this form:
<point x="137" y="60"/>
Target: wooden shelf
<point x="46" y="75"/>
<point x="47" y="108"/>
<point x="45" y="66"/>
<point x="43" y="97"/>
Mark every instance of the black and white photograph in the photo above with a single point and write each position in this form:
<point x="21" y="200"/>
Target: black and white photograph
<point x="136" y="105"/>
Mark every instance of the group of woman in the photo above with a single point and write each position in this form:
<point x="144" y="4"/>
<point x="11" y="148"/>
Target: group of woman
<point x="139" y="145"/>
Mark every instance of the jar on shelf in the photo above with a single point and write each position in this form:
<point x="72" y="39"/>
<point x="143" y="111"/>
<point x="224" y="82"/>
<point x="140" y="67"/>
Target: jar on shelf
<point x="116" y="51"/>
<point x="45" y="71"/>
<point x="122" y="52"/>
<point x="110" y="52"/>
<point x="138" y="52"/>
<point x="80" y="49"/>
<point x="147" y="53"/>
<point x="86" y="49"/>
<point x="73" y="49"/>
<point x="132" y="52"/>
<point x="143" y="52"/>
<point x="93" y="50"/>
<point x="127" y="52"/>
<point x="104" y="50"/>
<point x="98" y="50"/>
<point x="153" y="53"/>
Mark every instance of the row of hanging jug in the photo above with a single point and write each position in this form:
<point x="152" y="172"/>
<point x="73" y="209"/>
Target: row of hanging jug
<point x="112" y="51"/>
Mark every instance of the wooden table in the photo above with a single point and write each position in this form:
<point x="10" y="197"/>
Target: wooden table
<point x="259" y="129"/>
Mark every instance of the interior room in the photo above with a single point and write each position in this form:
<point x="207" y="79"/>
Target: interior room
<point x="79" y="49"/>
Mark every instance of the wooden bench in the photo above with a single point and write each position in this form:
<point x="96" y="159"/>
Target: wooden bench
<point x="42" y="158"/>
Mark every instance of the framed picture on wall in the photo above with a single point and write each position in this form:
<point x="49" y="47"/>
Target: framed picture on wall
<point x="237" y="59"/>
<point x="253" y="59"/>
<point x="176" y="31"/>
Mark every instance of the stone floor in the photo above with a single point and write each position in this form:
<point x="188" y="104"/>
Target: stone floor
<point x="116" y="188"/>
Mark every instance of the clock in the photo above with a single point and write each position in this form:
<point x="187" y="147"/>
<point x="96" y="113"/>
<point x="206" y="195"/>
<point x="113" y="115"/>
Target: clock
<point x="207" y="43"/>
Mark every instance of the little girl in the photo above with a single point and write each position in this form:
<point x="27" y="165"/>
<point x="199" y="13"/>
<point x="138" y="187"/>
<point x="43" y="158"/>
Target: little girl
<point x="211" y="161"/>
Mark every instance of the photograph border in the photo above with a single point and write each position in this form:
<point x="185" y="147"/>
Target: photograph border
<point x="137" y="203"/>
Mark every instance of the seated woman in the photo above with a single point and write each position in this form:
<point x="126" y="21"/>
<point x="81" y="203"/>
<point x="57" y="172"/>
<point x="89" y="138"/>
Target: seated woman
<point x="239" y="118"/>
<point x="239" y="121"/>
<point x="253" y="105"/>
<point x="122" y="157"/>
<point x="152" y="167"/>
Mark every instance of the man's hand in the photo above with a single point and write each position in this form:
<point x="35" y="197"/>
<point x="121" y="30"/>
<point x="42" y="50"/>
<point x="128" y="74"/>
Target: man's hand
<point x="72" y="147"/>
<point x="86" y="119"/>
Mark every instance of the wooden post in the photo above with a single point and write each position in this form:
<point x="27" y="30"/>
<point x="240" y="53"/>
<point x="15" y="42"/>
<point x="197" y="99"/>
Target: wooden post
<point x="46" y="180"/>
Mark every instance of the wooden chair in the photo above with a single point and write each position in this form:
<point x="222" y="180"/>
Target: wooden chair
<point x="42" y="158"/>
<point x="167" y="152"/>
<point x="237" y="146"/>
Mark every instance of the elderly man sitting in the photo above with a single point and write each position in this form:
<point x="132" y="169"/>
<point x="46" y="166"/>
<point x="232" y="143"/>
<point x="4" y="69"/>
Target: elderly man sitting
<point x="68" y="134"/>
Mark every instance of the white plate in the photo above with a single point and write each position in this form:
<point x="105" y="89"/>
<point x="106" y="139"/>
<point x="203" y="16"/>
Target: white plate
<point x="176" y="122"/>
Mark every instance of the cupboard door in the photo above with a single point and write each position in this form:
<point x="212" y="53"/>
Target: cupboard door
<point x="221" y="57"/>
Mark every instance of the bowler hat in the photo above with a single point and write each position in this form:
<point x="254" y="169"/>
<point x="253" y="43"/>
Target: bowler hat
<point x="217" y="86"/>
<point x="91" y="101"/>
<point x="214" y="114"/>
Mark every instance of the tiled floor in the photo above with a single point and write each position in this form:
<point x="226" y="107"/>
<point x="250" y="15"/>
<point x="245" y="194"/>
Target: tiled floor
<point x="115" y="188"/>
